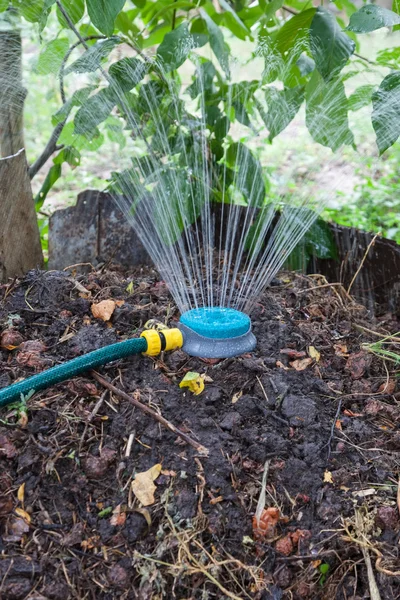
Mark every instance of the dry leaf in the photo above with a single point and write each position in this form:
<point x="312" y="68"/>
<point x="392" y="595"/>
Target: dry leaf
<point x="118" y="517"/>
<point x="388" y="387"/>
<point x="194" y="381"/>
<point x="145" y="513"/>
<point x="313" y="353"/>
<point x="143" y="485"/>
<point x="328" y="477"/>
<point x="237" y="396"/>
<point x="281" y="365"/>
<point x="338" y="424"/>
<point x="293" y="354"/>
<point x="103" y="310"/>
<point x="316" y="563"/>
<point x="23" y="419"/>
<point x="285" y="545"/>
<point x="341" y="350"/>
<point x="301" y="364"/>
<point x="16" y="530"/>
<point x="168" y="473"/>
<point x="269" y="519"/>
<point x="22" y="513"/>
<point x="21" y="493"/>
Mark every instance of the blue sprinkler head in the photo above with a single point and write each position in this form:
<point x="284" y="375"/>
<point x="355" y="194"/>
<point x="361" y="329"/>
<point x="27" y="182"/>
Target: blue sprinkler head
<point x="216" y="332"/>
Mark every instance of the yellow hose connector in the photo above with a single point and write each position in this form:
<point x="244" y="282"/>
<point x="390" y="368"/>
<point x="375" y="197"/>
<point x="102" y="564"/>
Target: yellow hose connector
<point x="173" y="338"/>
<point x="158" y="341"/>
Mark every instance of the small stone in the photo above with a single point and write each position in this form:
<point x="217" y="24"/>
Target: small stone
<point x="246" y="406"/>
<point x="16" y="588"/>
<point x="231" y="420"/>
<point x="96" y="467"/>
<point x="118" y="576"/>
<point x="387" y="517"/>
<point x="213" y="395"/>
<point x="300" y="410"/>
<point x="340" y="447"/>
<point x="73" y="537"/>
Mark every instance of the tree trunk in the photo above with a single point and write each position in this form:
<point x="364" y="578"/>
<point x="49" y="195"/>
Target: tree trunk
<point x="12" y="94"/>
<point x="20" y="248"/>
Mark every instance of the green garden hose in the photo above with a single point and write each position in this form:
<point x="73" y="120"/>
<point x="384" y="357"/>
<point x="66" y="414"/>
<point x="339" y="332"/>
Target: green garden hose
<point x="74" y="367"/>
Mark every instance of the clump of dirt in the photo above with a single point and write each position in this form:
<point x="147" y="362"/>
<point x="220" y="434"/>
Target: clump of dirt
<point x="311" y="411"/>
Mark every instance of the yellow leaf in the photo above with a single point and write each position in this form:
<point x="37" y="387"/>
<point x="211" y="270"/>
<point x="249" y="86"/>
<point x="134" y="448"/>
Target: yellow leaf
<point x="143" y="485"/>
<point x="313" y="353"/>
<point x="194" y="381"/>
<point x="22" y="513"/>
<point x="129" y="288"/>
<point x="21" y="493"/>
<point x="316" y="563"/>
<point x="103" y="310"/>
<point x="237" y="397"/>
<point x="328" y="477"/>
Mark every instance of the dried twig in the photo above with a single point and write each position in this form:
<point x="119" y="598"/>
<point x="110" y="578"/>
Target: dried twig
<point x="372" y="242"/>
<point x="104" y="382"/>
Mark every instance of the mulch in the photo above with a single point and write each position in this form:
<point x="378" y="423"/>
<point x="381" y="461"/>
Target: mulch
<point x="312" y="411"/>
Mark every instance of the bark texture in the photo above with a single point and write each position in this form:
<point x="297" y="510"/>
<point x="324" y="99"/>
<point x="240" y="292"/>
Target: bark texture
<point x="20" y="248"/>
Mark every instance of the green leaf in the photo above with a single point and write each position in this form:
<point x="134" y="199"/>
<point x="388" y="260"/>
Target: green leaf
<point x="202" y="80"/>
<point x="371" y="17"/>
<point x="52" y="176"/>
<point x="361" y="97"/>
<point x="115" y="131"/>
<point x="233" y="22"/>
<point x="271" y="8"/>
<point x="51" y="58"/>
<point x="31" y="10"/>
<point x="249" y="179"/>
<point x="127" y="73"/>
<point x="70" y="155"/>
<point x="389" y="58"/>
<point x="91" y="59"/>
<point x="103" y="14"/>
<point x="4" y="5"/>
<point x="217" y="43"/>
<point x="320" y="241"/>
<point x="139" y="3"/>
<point x="125" y="23"/>
<point x="283" y="106"/>
<point x="396" y="9"/>
<point x="75" y="9"/>
<point x="77" y="99"/>
<point x="330" y="47"/>
<point x="68" y="137"/>
<point x="326" y="112"/>
<point x="93" y="112"/>
<point x="294" y="33"/>
<point x="386" y="111"/>
<point x="175" y="48"/>
<point x="199" y="31"/>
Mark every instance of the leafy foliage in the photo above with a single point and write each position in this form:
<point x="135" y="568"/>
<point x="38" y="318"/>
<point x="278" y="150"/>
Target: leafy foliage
<point x="306" y="51"/>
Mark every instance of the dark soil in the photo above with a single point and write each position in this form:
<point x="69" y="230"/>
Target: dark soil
<point x="70" y="525"/>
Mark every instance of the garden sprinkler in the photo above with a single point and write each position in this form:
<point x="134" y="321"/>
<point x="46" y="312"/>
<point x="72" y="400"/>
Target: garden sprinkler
<point x="216" y="332"/>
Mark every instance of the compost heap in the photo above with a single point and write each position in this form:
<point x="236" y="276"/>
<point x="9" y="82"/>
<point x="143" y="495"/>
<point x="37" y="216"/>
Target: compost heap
<point x="99" y="501"/>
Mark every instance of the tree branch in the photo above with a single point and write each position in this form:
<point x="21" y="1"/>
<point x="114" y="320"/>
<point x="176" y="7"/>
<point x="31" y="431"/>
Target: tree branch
<point x="50" y="148"/>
